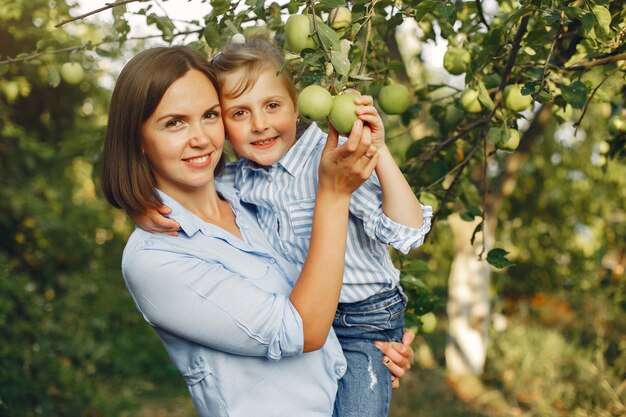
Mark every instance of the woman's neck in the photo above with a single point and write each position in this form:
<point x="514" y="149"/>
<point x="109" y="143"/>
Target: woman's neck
<point x="206" y="203"/>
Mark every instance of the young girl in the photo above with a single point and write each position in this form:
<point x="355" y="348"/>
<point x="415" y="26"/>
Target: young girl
<point x="278" y="174"/>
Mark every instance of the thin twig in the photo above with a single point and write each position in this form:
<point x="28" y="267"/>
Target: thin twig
<point x="88" y="45"/>
<point x="481" y="15"/>
<point x="593" y="93"/>
<point x="368" y="33"/>
<point x="547" y="63"/>
<point x="36" y="55"/>
<point x="106" y="7"/>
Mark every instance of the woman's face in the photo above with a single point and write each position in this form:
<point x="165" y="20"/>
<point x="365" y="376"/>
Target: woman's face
<point x="184" y="137"/>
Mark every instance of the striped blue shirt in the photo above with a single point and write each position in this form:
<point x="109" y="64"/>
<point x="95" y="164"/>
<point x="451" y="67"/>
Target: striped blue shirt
<point x="284" y="196"/>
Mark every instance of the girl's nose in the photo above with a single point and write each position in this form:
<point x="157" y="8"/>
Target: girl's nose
<point x="259" y="123"/>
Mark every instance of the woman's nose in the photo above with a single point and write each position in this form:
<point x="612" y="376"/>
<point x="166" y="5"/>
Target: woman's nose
<point x="200" y="137"/>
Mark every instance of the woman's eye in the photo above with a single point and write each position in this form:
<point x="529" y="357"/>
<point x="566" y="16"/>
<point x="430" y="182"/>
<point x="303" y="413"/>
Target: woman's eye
<point x="174" y="123"/>
<point x="211" y="115"/>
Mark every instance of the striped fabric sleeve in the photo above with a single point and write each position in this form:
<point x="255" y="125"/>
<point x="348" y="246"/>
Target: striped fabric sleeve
<point x="366" y="204"/>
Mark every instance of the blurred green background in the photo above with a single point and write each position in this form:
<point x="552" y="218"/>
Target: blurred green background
<point x="72" y="343"/>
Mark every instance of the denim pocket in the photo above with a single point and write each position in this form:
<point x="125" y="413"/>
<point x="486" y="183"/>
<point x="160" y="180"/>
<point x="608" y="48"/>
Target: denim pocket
<point x="301" y="216"/>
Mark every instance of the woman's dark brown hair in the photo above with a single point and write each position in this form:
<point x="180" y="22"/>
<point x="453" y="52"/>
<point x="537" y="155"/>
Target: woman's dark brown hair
<point x="127" y="178"/>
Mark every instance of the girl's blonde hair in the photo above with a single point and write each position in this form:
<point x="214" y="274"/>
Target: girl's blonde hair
<point x="255" y="55"/>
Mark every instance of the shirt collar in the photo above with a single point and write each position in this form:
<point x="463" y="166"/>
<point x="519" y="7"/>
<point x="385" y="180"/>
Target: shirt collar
<point x="294" y="160"/>
<point x="189" y="222"/>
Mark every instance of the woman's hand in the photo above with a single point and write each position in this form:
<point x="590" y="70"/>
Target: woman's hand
<point x="154" y="220"/>
<point x="398" y="357"/>
<point x="344" y="168"/>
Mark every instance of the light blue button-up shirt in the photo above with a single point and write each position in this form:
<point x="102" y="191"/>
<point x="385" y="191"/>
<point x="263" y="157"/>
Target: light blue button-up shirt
<point x="220" y="305"/>
<point x="284" y="195"/>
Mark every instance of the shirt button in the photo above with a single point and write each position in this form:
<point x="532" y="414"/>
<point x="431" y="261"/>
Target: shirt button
<point x="272" y="260"/>
<point x="244" y="226"/>
<point x="340" y="369"/>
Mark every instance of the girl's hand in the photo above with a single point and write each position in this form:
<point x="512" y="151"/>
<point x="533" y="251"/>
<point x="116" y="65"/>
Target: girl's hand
<point x="344" y="168"/>
<point x="153" y="220"/>
<point x="369" y="115"/>
<point x="398" y="357"/>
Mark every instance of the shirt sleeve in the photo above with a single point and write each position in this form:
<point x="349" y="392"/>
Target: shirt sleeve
<point x="366" y="204"/>
<point x="209" y="305"/>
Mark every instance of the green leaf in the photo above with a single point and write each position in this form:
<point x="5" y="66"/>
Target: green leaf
<point x="497" y="258"/>
<point x="603" y="18"/>
<point x="424" y="8"/>
<point x="329" y="37"/>
<point x="361" y="78"/>
<point x="211" y="35"/>
<point x="54" y="78"/>
<point x="575" y="94"/>
<point x="332" y="3"/>
<point x="340" y="63"/>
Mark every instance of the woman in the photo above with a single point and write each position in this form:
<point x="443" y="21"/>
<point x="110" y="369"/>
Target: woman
<point x="249" y="334"/>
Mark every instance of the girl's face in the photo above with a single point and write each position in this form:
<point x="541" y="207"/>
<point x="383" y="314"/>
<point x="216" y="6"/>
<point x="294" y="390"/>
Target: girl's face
<point x="260" y="123"/>
<point x="184" y="137"/>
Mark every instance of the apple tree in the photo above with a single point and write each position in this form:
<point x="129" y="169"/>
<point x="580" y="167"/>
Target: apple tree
<point x="510" y="69"/>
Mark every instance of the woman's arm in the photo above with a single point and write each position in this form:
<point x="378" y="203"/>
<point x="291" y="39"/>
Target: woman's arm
<point x="342" y="170"/>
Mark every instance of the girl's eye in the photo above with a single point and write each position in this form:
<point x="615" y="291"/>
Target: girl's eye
<point x="273" y="105"/>
<point x="239" y="113"/>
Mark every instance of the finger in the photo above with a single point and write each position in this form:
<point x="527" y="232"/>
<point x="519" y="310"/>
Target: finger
<point x="408" y="337"/>
<point x="163" y="209"/>
<point x="332" y="139"/>
<point x="352" y="144"/>
<point x="395" y="383"/>
<point x="398" y="353"/>
<point x="366" y="110"/>
<point x="364" y="100"/>
<point x="394" y="368"/>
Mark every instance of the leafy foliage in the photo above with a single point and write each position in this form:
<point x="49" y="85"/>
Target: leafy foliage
<point x="77" y="346"/>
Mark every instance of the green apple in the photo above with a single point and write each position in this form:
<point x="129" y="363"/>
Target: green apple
<point x="470" y="102"/>
<point x="298" y="34"/>
<point x="429" y="322"/>
<point x="456" y="60"/>
<point x="315" y="102"/>
<point x="510" y="141"/>
<point x="514" y="100"/>
<point x="394" y="98"/>
<point x="340" y="18"/>
<point x="72" y="73"/>
<point x="616" y="125"/>
<point x="342" y="114"/>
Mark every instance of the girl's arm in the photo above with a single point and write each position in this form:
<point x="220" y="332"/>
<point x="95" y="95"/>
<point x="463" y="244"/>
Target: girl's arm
<point x="399" y="203"/>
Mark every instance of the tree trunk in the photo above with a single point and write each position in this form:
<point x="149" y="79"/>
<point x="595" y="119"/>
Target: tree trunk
<point x="468" y="300"/>
<point x="468" y="284"/>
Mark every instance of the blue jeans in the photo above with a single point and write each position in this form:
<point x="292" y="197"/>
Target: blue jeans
<point x="365" y="389"/>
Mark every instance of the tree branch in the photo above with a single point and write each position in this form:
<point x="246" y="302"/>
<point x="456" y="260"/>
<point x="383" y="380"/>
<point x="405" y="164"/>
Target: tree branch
<point x="106" y="7"/>
<point x="596" y="62"/>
